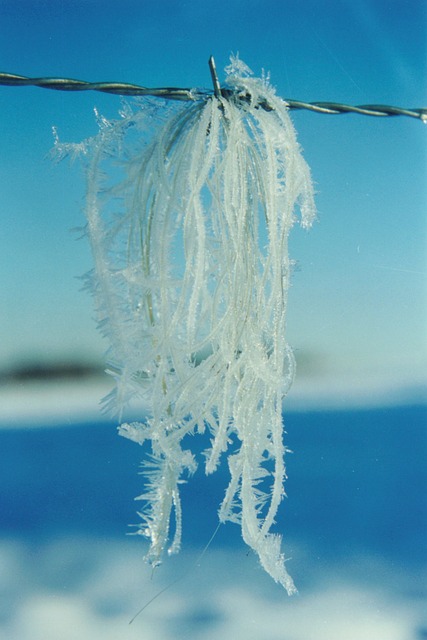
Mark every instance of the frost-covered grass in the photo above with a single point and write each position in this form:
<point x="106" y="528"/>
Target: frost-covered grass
<point x="189" y="208"/>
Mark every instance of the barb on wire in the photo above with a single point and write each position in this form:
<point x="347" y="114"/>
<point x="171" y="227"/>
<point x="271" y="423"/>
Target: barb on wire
<point x="173" y="93"/>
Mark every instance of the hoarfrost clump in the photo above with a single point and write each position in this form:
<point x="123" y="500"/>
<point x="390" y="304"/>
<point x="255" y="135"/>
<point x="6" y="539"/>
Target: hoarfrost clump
<point x="189" y="208"/>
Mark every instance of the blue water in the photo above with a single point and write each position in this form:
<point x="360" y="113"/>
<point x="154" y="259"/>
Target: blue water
<point x="355" y="479"/>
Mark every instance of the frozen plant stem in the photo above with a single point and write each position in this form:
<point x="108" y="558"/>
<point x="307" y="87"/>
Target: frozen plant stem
<point x="189" y="209"/>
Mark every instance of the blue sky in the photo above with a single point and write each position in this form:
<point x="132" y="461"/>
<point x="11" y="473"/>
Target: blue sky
<point x="358" y="300"/>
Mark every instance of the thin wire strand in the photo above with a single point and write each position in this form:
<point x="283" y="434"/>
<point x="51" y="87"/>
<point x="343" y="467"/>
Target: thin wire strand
<point x="174" y="93"/>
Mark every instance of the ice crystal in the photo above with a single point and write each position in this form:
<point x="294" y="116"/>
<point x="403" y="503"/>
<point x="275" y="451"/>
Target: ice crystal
<point x="189" y="208"/>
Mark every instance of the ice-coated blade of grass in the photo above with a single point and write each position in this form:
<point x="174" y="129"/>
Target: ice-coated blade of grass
<point x="189" y="209"/>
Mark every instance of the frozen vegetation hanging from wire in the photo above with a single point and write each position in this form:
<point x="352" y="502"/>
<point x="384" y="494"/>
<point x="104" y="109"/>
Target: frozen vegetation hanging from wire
<point x="189" y="209"/>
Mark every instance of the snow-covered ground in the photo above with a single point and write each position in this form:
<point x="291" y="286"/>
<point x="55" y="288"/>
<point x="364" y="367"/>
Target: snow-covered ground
<point x="81" y="588"/>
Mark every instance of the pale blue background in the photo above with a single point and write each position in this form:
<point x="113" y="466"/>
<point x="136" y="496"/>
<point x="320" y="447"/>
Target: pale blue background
<point x="356" y="516"/>
<point x="358" y="302"/>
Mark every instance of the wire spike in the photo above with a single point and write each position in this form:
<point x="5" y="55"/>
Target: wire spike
<point x="214" y="76"/>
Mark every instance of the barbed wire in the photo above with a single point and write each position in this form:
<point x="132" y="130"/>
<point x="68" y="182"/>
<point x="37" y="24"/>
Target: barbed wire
<point x="174" y="93"/>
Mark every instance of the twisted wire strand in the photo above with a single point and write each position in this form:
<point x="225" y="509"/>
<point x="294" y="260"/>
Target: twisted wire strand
<point x="186" y="94"/>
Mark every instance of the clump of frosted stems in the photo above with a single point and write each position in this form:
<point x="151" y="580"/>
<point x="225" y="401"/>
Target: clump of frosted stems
<point x="189" y="209"/>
